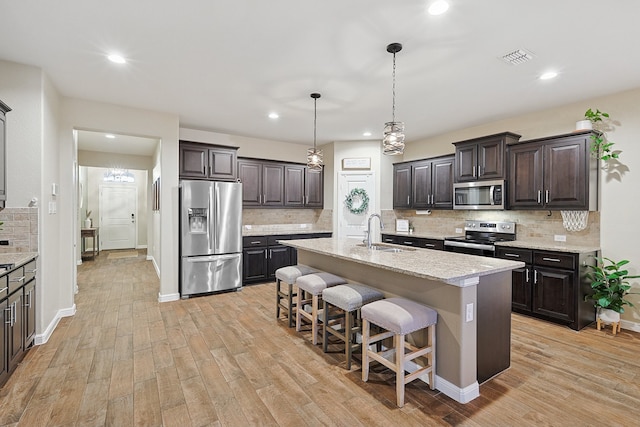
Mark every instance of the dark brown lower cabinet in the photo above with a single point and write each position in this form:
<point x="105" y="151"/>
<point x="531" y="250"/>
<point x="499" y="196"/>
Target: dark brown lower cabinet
<point x="551" y="286"/>
<point x="416" y="242"/>
<point x="263" y="255"/>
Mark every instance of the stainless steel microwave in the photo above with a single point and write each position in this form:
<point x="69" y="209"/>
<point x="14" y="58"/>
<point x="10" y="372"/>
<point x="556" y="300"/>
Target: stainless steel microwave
<point x="479" y="195"/>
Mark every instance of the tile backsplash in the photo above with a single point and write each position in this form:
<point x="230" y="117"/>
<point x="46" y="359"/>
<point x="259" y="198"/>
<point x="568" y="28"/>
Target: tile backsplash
<point x="315" y="219"/>
<point x="20" y="228"/>
<point x="539" y="226"/>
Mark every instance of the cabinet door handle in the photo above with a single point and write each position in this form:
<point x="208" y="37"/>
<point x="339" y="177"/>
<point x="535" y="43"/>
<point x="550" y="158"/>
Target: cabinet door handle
<point x="479" y="170"/>
<point x="546" y="196"/>
<point x="408" y="200"/>
<point x="18" y="279"/>
<point x="535" y="276"/>
<point x="265" y="255"/>
<point x="551" y="259"/>
<point x="527" y="275"/>
<point x="539" y="196"/>
<point x="8" y="319"/>
<point x="27" y="304"/>
<point x="473" y="171"/>
<point x="512" y="255"/>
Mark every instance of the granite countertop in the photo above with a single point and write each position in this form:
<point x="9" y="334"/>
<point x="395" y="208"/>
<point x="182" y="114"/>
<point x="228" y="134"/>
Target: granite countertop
<point x="422" y="235"/>
<point x="263" y="232"/>
<point x="549" y="246"/>
<point x="17" y="258"/>
<point x="449" y="267"/>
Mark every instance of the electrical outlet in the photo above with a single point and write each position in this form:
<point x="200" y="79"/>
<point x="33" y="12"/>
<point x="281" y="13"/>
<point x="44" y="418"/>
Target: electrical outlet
<point x="469" y="316"/>
<point x="560" y="237"/>
<point x="458" y="230"/>
<point x="4" y="242"/>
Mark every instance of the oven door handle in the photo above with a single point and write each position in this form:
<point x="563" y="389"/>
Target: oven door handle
<point x="480" y="246"/>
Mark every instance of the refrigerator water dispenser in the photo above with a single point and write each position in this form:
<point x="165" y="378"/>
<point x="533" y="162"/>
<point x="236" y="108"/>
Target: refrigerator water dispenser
<point x="197" y="220"/>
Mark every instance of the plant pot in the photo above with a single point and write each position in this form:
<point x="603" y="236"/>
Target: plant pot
<point x="584" y="125"/>
<point x="607" y="316"/>
<point x="87" y="223"/>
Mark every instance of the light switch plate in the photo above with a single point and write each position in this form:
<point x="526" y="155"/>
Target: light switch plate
<point x="469" y="316"/>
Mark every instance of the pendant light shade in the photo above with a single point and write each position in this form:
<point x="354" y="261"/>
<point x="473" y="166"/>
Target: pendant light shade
<point x="314" y="156"/>
<point x="393" y="138"/>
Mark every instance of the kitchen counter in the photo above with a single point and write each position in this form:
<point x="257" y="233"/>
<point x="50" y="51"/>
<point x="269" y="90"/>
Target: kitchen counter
<point x="449" y="267"/>
<point x="471" y="294"/>
<point x="549" y="246"/>
<point x="17" y="258"/>
<point x="420" y="235"/>
<point x="268" y="232"/>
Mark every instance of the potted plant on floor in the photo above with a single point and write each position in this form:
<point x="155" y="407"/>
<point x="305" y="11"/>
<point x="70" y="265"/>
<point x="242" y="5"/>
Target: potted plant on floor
<point x="610" y="285"/>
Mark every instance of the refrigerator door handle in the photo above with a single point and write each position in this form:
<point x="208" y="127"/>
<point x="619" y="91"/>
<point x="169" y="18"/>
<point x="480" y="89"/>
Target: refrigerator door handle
<point x="210" y="220"/>
<point x="210" y="258"/>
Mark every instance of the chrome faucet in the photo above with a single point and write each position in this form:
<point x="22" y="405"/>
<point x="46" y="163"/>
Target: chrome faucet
<point x="369" y="228"/>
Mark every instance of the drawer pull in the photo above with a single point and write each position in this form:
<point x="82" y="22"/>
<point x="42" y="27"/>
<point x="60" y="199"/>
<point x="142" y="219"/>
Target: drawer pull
<point x="512" y="255"/>
<point x="256" y="242"/>
<point x="34" y="271"/>
<point x="551" y="259"/>
<point x="429" y="245"/>
<point x="408" y="243"/>
<point x="18" y="279"/>
<point x="3" y="289"/>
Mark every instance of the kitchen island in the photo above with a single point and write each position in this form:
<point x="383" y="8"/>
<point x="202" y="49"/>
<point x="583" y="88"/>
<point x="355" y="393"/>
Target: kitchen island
<point x="471" y="294"/>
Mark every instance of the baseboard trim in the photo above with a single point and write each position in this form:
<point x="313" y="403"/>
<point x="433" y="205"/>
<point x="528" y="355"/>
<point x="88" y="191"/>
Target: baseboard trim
<point x="630" y="326"/>
<point x="155" y="264"/>
<point x="44" y="337"/>
<point x="168" y="297"/>
<point x="462" y="395"/>
<point x="141" y="247"/>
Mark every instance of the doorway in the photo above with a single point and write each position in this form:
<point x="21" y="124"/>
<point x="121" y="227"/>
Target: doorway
<point x="117" y="223"/>
<point x="352" y="225"/>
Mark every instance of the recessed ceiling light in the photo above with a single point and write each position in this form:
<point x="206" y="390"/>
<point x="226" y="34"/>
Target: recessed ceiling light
<point x="273" y="115"/>
<point x="548" y="75"/>
<point x="438" y="7"/>
<point x="118" y="59"/>
<point x="110" y="136"/>
<point x="366" y="134"/>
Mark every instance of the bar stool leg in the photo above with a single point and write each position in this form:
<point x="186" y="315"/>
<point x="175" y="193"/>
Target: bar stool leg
<point x="399" y="341"/>
<point x="314" y="323"/>
<point x="290" y="298"/>
<point x="365" y="350"/>
<point x="348" y="334"/>
<point x="277" y="298"/>
<point x="298" y="310"/>
<point x="325" y="321"/>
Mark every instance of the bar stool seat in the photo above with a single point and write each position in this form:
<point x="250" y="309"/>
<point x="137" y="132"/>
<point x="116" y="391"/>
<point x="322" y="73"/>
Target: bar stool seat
<point x="285" y="298"/>
<point x="348" y="299"/>
<point x="399" y="317"/>
<point x="313" y="284"/>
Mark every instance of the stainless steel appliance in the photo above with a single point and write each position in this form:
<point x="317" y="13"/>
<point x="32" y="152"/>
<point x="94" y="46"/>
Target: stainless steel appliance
<point x="210" y="237"/>
<point x="480" y="236"/>
<point x="479" y="195"/>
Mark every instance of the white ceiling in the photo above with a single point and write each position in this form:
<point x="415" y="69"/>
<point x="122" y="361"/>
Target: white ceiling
<point x="224" y="65"/>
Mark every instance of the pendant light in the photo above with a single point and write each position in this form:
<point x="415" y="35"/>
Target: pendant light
<point x="393" y="140"/>
<point x="314" y="156"/>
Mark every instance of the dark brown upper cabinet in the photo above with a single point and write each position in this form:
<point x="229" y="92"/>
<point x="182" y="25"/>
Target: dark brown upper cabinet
<point x="205" y="161"/>
<point x="482" y="158"/>
<point x="555" y="173"/>
<point x="424" y="184"/>
<point x="262" y="183"/>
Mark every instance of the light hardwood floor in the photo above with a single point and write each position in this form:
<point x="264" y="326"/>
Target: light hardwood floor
<point x="223" y="360"/>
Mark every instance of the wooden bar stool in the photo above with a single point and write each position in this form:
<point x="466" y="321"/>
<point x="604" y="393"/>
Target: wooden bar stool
<point x="399" y="317"/>
<point x="348" y="299"/>
<point x="313" y="284"/>
<point x="285" y="298"/>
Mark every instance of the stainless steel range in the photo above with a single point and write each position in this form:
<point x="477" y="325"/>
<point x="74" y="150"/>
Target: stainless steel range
<point x="480" y="237"/>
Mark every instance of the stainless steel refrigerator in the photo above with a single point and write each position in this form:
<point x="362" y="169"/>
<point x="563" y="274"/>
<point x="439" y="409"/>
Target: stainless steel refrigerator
<point x="210" y="237"/>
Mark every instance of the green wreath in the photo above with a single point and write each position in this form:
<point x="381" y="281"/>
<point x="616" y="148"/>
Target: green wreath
<point x="357" y="194"/>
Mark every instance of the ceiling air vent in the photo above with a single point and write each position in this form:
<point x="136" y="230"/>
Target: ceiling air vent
<point x="517" y="57"/>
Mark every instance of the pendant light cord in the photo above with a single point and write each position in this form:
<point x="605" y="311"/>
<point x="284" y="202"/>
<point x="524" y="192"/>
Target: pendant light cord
<point x="315" y="118"/>
<point x="393" y="111"/>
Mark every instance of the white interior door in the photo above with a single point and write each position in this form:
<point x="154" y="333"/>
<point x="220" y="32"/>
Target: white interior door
<point x="351" y="225"/>
<point x="117" y="217"/>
